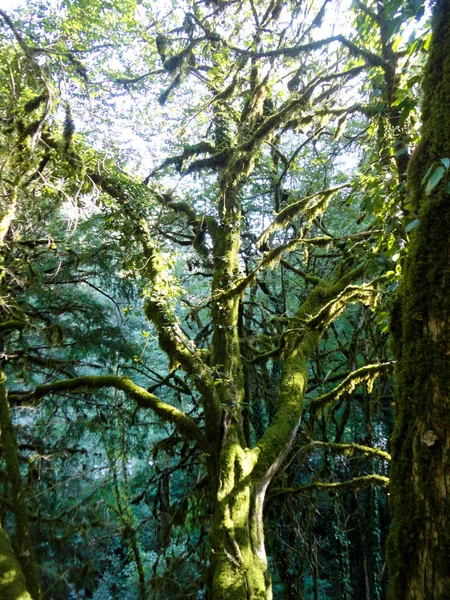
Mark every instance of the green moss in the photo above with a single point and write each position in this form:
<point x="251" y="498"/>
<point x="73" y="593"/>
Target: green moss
<point x="12" y="581"/>
<point x="141" y="396"/>
<point x="22" y="531"/>
<point x="239" y="565"/>
<point x="419" y="543"/>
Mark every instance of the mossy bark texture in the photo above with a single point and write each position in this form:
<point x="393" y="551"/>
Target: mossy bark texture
<point x="12" y="581"/>
<point x="419" y="543"/>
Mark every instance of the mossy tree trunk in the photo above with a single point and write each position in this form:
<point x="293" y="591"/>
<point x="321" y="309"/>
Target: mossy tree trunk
<point x="419" y="543"/>
<point x="22" y="533"/>
<point x="12" y="581"/>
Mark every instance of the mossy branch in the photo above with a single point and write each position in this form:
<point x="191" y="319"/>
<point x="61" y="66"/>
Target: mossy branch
<point x="157" y="306"/>
<point x="356" y="483"/>
<point x="326" y="302"/>
<point x="366" y="293"/>
<point x="199" y="224"/>
<point x="367" y="373"/>
<point x="372" y="59"/>
<point x="270" y="260"/>
<point x="178" y="160"/>
<point x="346" y="449"/>
<point x="12" y="325"/>
<point x="22" y="530"/>
<point x="306" y="276"/>
<point x="141" y="396"/>
<point x="305" y="206"/>
<point x="8" y="217"/>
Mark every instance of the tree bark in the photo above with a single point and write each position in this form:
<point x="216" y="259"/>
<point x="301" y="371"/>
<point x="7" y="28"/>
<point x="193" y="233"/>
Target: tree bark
<point x="22" y="533"/>
<point x="419" y="543"/>
<point x="239" y="567"/>
<point x="12" y="581"/>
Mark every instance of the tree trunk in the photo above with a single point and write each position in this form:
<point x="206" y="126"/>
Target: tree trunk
<point x="12" y="581"/>
<point x="239" y="568"/>
<point x="22" y="532"/>
<point x="419" y="543"/>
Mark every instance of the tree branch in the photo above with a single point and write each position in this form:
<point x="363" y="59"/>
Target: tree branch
<point x="143" y="399"/>
<point x="372" y="59"/>
<point x="346" y="449"/>
<point x="303" y="206"/>
<point x="357" y="483"/>
<point x="367" y="373"/>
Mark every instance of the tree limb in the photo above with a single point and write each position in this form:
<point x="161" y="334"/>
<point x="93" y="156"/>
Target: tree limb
<point x="357" y="483"/>
<point x="366" y="373"/>
<point x="142" y="397"/>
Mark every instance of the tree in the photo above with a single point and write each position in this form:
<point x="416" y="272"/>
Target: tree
<point x="419" y="541"/>
<point x="265" y="99"/>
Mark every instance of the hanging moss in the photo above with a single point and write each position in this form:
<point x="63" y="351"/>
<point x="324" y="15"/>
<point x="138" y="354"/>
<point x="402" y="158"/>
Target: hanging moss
<point x="69" y="128"/>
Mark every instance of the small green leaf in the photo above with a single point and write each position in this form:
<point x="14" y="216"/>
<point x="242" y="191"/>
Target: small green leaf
<point x="445" y="162"/>
<point x="427" y="174"/>
<point x="427" y="41"/>
<point x="412" y="225"/>
<point x="401" y="151"/>
<point x="434" y="179"/>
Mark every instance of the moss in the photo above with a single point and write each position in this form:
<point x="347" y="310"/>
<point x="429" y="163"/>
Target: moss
<point x="12" y="581"/>
<point x="22" y="532"/>
<point x="419" y="542"/>
<point x="368" y="374"/>
<point x="348" y="449"/>
<point x="355" y="483"/>
<point x="325" y="303"/>
<point x="309" y="207"/>
<point x="239" y="569"/>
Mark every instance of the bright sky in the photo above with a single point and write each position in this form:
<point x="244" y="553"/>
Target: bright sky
<point x="10" y="4"/>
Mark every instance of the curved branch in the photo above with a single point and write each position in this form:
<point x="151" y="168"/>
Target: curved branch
<point x="11" y="325"/>
<point x="347" y="449"/>
<point x="142" y="397"/>
<point x="326" y="303"/>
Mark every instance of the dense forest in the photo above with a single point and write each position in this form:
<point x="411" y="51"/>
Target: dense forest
<point x="225" y="300"/>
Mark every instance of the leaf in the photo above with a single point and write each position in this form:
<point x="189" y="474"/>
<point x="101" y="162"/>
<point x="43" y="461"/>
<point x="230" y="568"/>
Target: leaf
<point x="412" y="225"/>
<point x="445" y="162"/>
<point x="427" y="41"/>
<point x="434" y="179"/>
<point x="427" y="174"/>
<point x="401" y="151"/>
